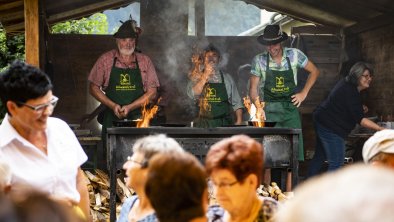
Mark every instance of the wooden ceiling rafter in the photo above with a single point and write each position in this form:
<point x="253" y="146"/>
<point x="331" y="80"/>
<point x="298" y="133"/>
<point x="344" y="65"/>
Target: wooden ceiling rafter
<point x="308" y="12"/>
<point x="11" y="5"/>
<point x="86" y="10"/>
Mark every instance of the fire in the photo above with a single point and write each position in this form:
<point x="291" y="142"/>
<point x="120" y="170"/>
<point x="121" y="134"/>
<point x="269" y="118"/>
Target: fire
<point x="195" y="75"/>
<point x="147" y="115"/>
<point x="256" y="119"/>
<point x="204" y="104"/>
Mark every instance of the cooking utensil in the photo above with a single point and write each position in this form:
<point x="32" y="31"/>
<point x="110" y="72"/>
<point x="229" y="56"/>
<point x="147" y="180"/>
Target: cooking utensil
<point x="126" y="123"/>
<point x="172" y="125"/>
<point x="265" y="124"/>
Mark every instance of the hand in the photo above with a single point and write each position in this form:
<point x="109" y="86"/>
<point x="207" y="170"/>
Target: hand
<point x="260" y="114"/>
<point x="365" y="109"/>
<point x="125" y="111"/>
<point x="117" y="111"/>
<point x="298" y="98"/>
<point x="238" y="122"/>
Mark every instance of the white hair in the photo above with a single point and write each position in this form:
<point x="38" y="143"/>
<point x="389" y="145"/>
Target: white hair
<point x="5" y="175"/>
<point x="160" y="143"/>
<point x="357" y="193"/>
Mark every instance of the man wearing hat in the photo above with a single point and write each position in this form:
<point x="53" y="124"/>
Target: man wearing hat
<point x="123" y="79"/>
<point x="274" y="79"/>
<point x="379" y="148"/>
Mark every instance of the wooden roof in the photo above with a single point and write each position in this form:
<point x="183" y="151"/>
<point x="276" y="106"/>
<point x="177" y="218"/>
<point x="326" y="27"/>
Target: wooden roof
<point x="353" y="15"/>
<point x="12" y="11"/>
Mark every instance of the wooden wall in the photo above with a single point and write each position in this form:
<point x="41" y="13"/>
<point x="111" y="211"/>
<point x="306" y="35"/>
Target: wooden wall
<point x="377" y="47"/>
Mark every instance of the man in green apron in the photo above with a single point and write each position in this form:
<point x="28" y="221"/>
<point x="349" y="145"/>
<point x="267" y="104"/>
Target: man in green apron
<point x="216" y="93"/>
<point x="123" y="80"/>
<point x="274" y="79"/>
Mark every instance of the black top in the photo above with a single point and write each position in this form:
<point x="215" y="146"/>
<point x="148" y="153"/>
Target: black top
<point x="342" y="109"/>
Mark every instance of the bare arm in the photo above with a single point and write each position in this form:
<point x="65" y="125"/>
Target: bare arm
<point x="83" y="192"/>
<point x="148" y="95"/>
<point x="254" y="83"/>
<point x="370" y="124"/>
<point x="96" y="92"/>
<point x="199" y="85"/>
<point x="298" y="98"/>
<point x="238" y="116"/>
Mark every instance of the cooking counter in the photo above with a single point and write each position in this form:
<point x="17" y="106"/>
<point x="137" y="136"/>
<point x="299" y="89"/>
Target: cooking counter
<point x="280" y="146"/>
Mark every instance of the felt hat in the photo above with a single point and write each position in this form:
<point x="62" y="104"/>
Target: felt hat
<point x="128" y="29"/>
<point x="272" y="35"/>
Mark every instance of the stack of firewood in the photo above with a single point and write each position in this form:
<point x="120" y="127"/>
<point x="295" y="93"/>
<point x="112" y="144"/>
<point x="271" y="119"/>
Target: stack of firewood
<point x="274" y="191"/>
<point x="99" y="194"/>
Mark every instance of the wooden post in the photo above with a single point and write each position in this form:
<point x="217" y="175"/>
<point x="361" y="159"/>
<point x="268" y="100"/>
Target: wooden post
<point x="32" y="32"/>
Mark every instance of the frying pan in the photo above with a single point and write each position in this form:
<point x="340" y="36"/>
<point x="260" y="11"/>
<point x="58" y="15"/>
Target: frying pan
<point x="266" y="123"/>
<point x="125" y="123"/>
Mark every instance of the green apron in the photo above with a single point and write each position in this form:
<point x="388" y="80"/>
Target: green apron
<point x="218" y="112"/>
<point x="124" y="87"/>
<point x="278" y="89"/>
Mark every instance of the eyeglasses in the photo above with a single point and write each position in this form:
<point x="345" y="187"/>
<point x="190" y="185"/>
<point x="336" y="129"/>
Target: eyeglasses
<point x="367" y="76"/>
<point x="143" y="163"/>
<point x="40" y="108"/>
<point x="223" y="185"/>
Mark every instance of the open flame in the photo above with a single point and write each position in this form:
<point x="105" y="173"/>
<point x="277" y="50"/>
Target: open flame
<point x="147" y="115"/>
<point x="252" y="110"/>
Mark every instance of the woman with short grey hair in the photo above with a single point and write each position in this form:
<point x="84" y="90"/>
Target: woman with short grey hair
<point x="138" y="207"/>
<point x="336" y="116"/>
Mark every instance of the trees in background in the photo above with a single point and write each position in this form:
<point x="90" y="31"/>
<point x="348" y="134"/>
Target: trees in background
<point x="12" y="47"/>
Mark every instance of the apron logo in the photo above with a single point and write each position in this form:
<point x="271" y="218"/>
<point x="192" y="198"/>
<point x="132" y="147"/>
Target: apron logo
<point x="280" y="82"/>
<point x="125" y="83"/>
<point x="211" y="92"/>
<point x="124" y="79"/>
<point x="280" y="86"/>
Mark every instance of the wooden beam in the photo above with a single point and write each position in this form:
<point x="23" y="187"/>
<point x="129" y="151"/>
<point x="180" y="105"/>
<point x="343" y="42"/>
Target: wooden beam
<point x="11" y="16"/>
<point x="368" y="24"/>
<point x="18" y="27"/>
<point x="32" y="32"/>
<point x="11" y="5"/>
<point x="84" y="11"/>
<point x="299" y="10"/>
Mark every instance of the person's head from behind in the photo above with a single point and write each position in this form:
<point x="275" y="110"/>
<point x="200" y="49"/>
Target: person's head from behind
<point x="127" y="37"/>
<point x="354" y="193"/>
<point x="360" y="75"/>
<point x="235" y="166"/>
<point x="5" y="178"/>
<point x="379" y="148"/>
<point x="143" y="150"/>
<point x="35" y="206"/>
<point x="26" y="92"/>
<point x="176" y="187"/>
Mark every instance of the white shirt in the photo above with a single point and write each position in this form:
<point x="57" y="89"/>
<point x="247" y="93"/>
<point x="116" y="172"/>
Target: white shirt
<point x="54" y="173"/>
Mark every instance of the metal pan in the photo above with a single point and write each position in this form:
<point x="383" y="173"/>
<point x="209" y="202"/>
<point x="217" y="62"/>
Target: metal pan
<point x="125" y="123"/>
<point x="172" y="125"/>
<point x="266" y="123"/>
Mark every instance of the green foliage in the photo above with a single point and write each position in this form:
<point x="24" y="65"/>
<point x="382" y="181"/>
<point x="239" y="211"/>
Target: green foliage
<point x="95" y="24"/>
<point x="11" y="48"/>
